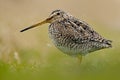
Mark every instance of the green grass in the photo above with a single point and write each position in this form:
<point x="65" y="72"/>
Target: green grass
<point x="62" y="67"/>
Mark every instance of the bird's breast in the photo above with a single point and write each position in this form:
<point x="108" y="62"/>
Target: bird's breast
<point x="57" y="32"/>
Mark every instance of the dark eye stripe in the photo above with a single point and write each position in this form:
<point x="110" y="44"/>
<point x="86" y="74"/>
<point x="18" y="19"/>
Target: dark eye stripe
<point x="55" y="11"/>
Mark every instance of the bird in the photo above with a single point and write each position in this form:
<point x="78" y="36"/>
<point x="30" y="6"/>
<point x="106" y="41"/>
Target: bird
<point x="71" y="35"/>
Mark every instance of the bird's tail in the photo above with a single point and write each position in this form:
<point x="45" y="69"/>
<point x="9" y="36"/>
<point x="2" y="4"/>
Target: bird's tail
<point x="108" y="43"/>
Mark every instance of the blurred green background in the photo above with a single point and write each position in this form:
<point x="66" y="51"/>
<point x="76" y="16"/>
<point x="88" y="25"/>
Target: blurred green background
<point x="32" y="56"/>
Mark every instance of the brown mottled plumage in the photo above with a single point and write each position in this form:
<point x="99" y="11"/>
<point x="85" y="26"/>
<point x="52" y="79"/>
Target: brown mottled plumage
<point x="73" y="36"/>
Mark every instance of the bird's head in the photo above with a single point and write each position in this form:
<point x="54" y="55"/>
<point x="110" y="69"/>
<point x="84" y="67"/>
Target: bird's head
<point x="56" y="15"/>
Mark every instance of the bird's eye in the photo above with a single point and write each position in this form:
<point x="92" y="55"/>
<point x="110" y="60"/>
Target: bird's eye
<point x="58" y="13"/>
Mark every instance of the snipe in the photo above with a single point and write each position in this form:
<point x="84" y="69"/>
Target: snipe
<point x="73" y="36"/>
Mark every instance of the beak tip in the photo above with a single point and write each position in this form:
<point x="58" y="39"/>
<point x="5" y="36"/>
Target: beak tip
<point x="21" y="30"/>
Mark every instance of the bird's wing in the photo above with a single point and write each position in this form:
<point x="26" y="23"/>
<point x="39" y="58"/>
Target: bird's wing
<point x="88" y="29"/>
<point x="82" y="32"/>
<point x="72" y="31"/>
<point x="86" y="33"/>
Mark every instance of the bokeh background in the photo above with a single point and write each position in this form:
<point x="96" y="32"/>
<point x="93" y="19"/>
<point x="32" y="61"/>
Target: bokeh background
<point x="32" y="56"/>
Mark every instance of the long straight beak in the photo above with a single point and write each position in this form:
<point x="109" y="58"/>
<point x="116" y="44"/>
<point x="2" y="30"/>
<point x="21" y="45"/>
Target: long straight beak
<point x="35" y="25"/>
